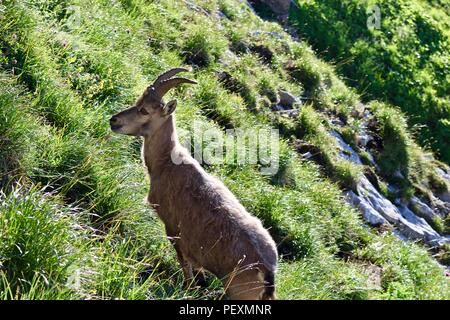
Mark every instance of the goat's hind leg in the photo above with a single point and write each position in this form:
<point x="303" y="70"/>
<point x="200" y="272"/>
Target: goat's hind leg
<point x="186" y="266"/>
<point x="200" y="278"/>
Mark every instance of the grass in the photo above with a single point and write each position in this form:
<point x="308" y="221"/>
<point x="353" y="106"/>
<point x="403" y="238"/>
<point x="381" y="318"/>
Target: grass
<point x="403" y="62"/>
<point x="71" y="175"/>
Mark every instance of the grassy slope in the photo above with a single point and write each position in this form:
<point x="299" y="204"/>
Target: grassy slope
<point x="405" y="62"/>
<point x="54" y="133"/>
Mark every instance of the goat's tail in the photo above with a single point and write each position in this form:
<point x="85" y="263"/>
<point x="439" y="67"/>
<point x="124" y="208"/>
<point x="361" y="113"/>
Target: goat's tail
<point x="269" y="286"/>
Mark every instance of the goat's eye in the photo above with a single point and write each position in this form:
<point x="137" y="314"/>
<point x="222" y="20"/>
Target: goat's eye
<point x="143" y="111"/>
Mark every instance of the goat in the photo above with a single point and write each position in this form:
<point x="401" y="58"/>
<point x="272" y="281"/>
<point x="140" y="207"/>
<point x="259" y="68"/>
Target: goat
<point x="207" y="225"/>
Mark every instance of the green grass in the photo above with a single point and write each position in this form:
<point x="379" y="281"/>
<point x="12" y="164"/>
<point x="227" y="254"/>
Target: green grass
<point x="72" y="177"/>
<point x="405" y="62"/>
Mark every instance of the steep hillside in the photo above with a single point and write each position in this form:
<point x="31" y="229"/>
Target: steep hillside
<point x="402" y="59"/>
<point x="72" y="220"/>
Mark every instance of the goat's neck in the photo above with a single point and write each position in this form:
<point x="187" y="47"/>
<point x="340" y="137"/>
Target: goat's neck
<point x="158" y="148"/>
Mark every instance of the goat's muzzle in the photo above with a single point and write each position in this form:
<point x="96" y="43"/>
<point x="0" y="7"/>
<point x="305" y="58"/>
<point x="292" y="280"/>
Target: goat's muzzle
<point x="114" y="123"/>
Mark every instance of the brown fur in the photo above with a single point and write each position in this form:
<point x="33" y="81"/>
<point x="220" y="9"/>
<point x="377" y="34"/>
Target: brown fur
<point x="208" y="226"/>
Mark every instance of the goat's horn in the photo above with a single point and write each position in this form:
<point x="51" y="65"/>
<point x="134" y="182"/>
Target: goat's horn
<point x="164" y="86"/>
<point x="170" y="73"/>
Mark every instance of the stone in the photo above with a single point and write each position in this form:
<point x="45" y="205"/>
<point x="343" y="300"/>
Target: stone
<point x="287" y="100"/>
<point x="291" y="113"/>
<point x="421" y="208"/>
<point x="370" y="215"/>
<point x="415" y="227"/>
<point x="363" y="139"/>
<point x="373" y="204"/>
<point x="347" y="151"/>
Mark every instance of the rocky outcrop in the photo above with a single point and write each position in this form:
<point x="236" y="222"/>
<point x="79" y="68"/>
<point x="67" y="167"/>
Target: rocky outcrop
<point x="377" y="210"/>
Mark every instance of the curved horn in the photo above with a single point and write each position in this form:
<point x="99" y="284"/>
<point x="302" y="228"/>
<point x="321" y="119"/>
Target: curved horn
<point x="164" y="86"/>
<point x="168" y="74"/>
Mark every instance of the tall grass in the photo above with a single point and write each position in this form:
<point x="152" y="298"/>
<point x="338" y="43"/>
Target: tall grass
<point x="111" y="245"/>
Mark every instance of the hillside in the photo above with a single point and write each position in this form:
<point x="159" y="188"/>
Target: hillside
<point x="404" y="61"/>
<point x="357" y="208"/>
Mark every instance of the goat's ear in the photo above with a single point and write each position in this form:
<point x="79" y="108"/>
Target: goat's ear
<point x="170" y="107"/>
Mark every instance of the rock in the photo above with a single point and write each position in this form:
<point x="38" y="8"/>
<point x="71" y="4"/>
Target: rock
<point x="377" y="201"/>
<point x="421" y="209"/>
<point x="358" y="111"/>
<point x="398" y="174"/>
<point x="444" y="196"/>
<point x="221" y="15"/>
<point x="445" y="175"/>
<point x="307" y="155"/>
<point x="336" y="122"/>
<point x="277" y="107"/>
<point x="369" y="214"/>
<point x="368" y="199"/>
<point x="291" y="113"/>
<point x="347" y="152"/>
<point x="276" y="35"/>
<point x="363" y="139"/>
<point x="287" y="100"/>
<point x="393" y="189"/>
<point x="377" y="209"/>
<point x="372" y="177"/>
<point x="228" y="58"/>
<point x="415" y="227"/>
<point x="194" y="7"/>
<point x="441" y="208"/>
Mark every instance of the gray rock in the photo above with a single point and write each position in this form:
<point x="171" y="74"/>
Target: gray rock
<point x="440" y="207"/>
<point x="291" y="113"/>
<point x="347" y="152"/>
<point x="363" y="139"/>
<point x="421" y="208"/>
<point x="277" y="107"/>
<point x="443" y="174"/>
<point x="444" y="196"/>
<point x="398" y="174"/>
<point x="415" y="227"/>
<point x="370" y="215"/>
<point x="273" y="34"/>
<point x="287" y="100"/>
<point x="410" y="225"/>
<point x="228" y="58"/>
<point x="307" y="155"/>
<point x="378" y="210"/>
<point x="221" y="15"/>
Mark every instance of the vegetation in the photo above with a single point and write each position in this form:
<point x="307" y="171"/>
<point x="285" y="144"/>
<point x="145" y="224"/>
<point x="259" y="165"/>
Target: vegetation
<point x="72" y="221"/>
<point x="404" y="62"/>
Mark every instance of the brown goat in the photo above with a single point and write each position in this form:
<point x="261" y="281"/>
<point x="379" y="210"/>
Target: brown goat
<point x="207" y="225"/>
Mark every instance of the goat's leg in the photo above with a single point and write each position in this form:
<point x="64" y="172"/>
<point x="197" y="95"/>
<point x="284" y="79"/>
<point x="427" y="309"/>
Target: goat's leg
<point x="186" y="266"/>
<point x="200" y="278"/>
<point x="245" y="285"/>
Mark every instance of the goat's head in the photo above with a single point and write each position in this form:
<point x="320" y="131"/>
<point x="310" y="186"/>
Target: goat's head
<point x="150" y="111"/>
